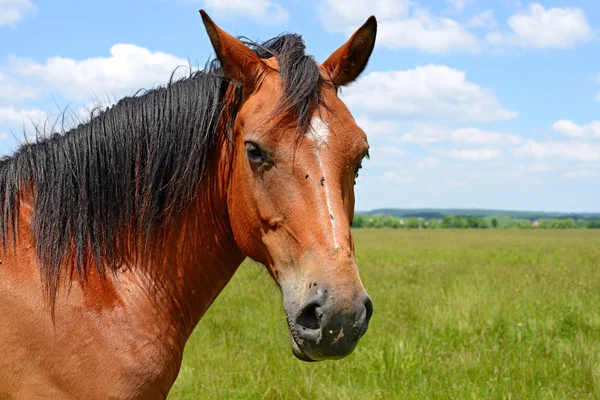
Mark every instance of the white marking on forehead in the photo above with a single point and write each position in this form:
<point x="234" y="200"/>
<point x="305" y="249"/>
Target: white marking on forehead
<point x="319" y="133"/>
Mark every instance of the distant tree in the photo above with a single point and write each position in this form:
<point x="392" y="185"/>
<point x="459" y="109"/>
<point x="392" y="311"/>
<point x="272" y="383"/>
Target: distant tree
<point x="472" y="221"/>
<point x="434" y="223"/>
<point x="412" y="223"/>
<point x="566" y="223"/>
<point x="484" y="223"/>
<point x="447" y="222"/>
<point x="453" y="221"/>
<point x="391" y="222"/>
<point x="507" y="222"/>
<point x="545" y="224"/>
<point x="358" y="222"/>
<point x="375" y="221"/>
<point x="458" y="222"/>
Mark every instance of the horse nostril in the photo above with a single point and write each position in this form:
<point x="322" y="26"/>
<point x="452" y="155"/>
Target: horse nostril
<point x="310" y="316"/>
<point x="369" y="306"/>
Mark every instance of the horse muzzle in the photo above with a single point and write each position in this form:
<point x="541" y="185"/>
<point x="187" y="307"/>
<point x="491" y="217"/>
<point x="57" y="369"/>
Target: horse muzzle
<point x="326" y="326"/>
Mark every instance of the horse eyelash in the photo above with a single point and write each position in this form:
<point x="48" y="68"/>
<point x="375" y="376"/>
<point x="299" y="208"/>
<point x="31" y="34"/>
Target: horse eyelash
<point x="359" y="166"/>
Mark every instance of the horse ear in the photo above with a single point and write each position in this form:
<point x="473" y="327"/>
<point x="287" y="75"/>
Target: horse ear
<point x="239" y="62"/>
<point x="347" y="62"/>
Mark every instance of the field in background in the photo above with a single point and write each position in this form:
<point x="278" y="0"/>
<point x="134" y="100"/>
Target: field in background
<point x="458" y="314"/>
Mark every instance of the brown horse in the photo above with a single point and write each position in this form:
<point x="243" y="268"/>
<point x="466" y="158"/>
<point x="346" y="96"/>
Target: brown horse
<point x="120" y="233"/>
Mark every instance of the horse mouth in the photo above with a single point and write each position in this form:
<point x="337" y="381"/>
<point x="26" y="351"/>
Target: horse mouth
<point x="294" y="341"/>
<point x="298" y="352"/>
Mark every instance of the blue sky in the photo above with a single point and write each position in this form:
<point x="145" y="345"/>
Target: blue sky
<point x="467" y="103"/>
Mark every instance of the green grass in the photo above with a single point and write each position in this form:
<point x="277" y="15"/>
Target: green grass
<point x="504" y="314"/>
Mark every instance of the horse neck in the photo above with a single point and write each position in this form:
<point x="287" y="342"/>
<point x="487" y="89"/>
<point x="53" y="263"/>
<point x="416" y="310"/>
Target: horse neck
<point x="201" y="254"/>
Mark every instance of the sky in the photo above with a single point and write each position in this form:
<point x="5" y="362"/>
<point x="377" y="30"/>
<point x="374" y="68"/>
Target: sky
<point x="466" y="103"/>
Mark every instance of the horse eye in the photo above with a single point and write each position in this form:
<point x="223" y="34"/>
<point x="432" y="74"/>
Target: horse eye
<point x="255" y="154"/>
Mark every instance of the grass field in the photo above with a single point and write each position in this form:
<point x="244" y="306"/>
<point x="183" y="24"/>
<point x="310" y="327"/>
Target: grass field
<point x="465" y="314"/>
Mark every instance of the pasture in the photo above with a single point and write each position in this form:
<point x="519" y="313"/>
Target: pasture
<point x="462" y="314"/>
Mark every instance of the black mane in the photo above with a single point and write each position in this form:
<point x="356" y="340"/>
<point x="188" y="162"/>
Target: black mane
<point x="133" y="167"/>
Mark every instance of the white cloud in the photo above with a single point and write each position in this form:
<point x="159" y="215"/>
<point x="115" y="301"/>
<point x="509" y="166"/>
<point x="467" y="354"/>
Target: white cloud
<point x="376" y="128"/>
<point x="345" y="16"/>
<point x="475" y="155"/>
<point x="459" y="5"/>
<point x="424" y="134"/>
<point x="454" y="183"/>
<point x="571" y="129"/>
<point x="482" y="137"/>
<point x="428" y="162"/>
<point x="484" y="20"/>
<point x="20" y="117"/>
<point x="12" y="11"/>
<point x="542" y="28"/>
<point x="3" y="135"/>
<point x="394" y="177"/>
<point x="127" y="69"/>
<point x="428" y="33"/>
<point x="402" y="24"/>
<point x="264" y="11"/>
<point x="535" y="167"/>
<point x="429" y="134"/>
<point x="13" y="91"/>
<point x="431" y="91"/>
<point x="579" y="151"/>
<point x="389" y="151"/>
<point x="579" y="174"/>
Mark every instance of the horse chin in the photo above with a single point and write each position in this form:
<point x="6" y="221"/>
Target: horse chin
<point x="298" y="352"/>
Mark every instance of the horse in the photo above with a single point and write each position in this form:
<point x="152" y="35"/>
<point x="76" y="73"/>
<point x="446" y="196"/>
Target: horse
<point x="120" y="233"/>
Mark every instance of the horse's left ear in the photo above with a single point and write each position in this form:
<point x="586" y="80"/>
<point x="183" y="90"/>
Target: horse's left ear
<point x="239" y="62"/>
<point x="347" y="62"/>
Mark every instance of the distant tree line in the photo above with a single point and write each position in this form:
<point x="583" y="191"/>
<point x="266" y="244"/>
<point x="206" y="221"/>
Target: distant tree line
<point x="468" y="222"/>
<point x="440" y="213"/>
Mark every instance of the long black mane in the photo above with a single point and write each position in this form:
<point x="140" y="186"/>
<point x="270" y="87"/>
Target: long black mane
<point x="110" y="187"/>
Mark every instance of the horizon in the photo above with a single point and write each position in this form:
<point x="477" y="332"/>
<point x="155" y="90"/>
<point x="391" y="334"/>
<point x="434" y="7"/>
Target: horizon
<point x="466" y="105"/>
<point x="357" y="211"/>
